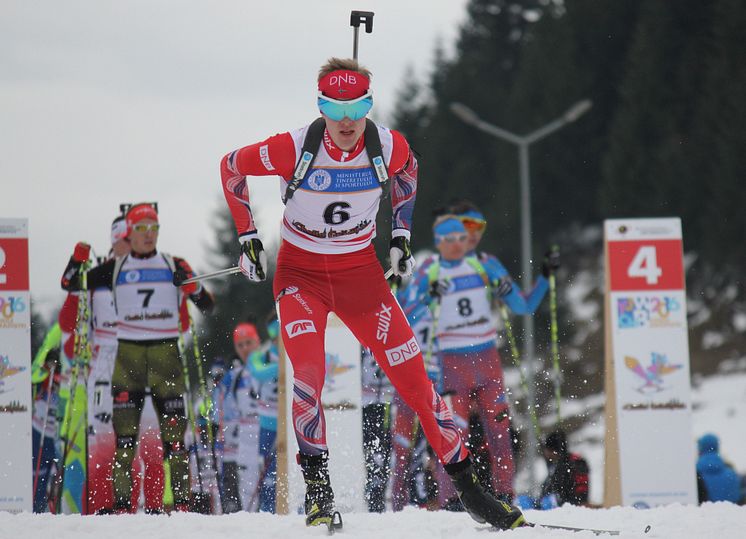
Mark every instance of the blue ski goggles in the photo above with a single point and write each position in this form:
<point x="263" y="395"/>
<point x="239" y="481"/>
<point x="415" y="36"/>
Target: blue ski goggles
<point x="354" y="109"/>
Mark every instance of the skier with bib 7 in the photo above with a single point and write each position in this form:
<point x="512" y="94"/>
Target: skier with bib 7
<point x="148" y="308"/>
<point x="334" y="173"/>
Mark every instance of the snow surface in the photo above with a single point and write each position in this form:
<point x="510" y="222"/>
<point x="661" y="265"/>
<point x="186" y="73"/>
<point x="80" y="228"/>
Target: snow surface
<point x="721" y="520"/>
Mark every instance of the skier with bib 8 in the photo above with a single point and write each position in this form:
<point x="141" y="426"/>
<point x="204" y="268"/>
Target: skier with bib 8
<point x="463" y="288"/>
<point x="335" y="172"/>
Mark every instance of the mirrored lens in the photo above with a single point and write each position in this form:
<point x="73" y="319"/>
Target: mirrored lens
<point x="473" y="224"/>
<point x="146" y="228"/>
<point x="337" y="111"/>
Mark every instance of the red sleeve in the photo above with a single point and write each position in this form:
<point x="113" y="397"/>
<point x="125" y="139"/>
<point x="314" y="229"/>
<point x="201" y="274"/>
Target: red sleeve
<point x="399" y="154"/>
<point x="403" y="169"/>
<point x="274" y="156"/>
<point x="184" y="315"/>
<point x="69" y="313"/>
<point x="68" y="323"/>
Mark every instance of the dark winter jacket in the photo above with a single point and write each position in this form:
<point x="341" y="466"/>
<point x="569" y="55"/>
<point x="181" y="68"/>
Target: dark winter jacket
<point x="567" y="480"/>
<point x="721" y="482"/>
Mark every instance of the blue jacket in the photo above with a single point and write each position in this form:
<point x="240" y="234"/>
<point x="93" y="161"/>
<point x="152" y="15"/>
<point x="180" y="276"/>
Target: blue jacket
<point x="721" y="481"/>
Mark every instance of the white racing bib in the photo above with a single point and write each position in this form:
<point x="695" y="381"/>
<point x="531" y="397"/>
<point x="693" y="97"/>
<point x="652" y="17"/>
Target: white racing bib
<point x="147" y="301"/>
<point x="334" y="209"/>
<point x="466" y="318"/>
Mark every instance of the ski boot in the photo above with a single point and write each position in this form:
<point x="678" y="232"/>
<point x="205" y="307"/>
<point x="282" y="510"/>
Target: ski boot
<point x="319" y="504"/>
<point x="482" y="507"/>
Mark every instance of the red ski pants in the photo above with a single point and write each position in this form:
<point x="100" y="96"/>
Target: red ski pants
<point x="308" y="286"/>
<point x="475" y="382"/>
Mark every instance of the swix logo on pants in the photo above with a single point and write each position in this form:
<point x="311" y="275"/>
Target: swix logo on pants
<point x="403" y="352"/>
<point x="384" y="323"/>
<point x="299" y="327"/>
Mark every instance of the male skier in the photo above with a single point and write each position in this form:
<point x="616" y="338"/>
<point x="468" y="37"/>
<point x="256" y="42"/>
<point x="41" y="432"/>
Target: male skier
<point x="148" y="309"/>
<point x="326" y="263"/>
<point x="464" y="286"/>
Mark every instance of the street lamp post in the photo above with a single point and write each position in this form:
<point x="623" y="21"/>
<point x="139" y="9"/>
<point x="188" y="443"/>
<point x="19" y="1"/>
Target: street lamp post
<point x="523" y="142"/>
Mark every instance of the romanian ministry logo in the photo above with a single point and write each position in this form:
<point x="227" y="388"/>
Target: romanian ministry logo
<point x="132" y="276"/>
<point x="319" y="180"/>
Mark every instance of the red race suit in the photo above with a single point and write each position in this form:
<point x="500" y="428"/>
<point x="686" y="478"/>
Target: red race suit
<point x="327" y="264"/>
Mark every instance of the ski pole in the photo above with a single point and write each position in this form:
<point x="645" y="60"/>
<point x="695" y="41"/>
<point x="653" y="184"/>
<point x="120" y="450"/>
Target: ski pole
<point x="81" y="353"/>
<point x="190" y="411"/>
<point x="233" y="270"/>
<point x="211" y="275"/>
<point x="517" y="362"/>
<point x="435" y="311"/>
<point x="557" y="378"/>
<point x="44" y="427"/>
<point x="262" y="477"/>
<point x="205" y="399"/>
<point x="356" y="18"/>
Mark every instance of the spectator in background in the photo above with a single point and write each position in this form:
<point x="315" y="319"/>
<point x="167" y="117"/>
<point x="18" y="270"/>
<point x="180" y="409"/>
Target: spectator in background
<point x="567" y="480"/>
<point x="716" y="479"/>
<point x="264" y="365"/>
<point x="45" y="377"/>
<point x="239" y="424"/>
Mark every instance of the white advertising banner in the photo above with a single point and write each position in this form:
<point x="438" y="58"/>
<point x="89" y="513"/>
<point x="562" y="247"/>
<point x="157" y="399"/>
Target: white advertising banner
<point x="341" y="398"/>
<point x="15" y="368"/>
<point x="650" y="358"/>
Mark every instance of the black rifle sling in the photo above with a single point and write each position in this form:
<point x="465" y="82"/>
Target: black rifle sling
<point x="311" y="145"/>
<point x="375" y="154"/>
<point x="307" y="156"/>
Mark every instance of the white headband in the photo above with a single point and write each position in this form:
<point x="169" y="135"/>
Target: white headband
<point x="118" y="230"/>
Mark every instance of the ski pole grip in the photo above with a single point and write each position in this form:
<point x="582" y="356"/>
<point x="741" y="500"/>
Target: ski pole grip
<point x="364" y="17"/>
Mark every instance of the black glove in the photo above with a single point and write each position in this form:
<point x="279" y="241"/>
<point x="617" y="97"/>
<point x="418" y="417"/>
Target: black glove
<point x="180" y="275"/>
<point x="551" y="261"/>
<point x="502" y="287"/>
<point x="439" y="288"/>
<point x="253" y="261"/>
<point x="402" y="261"/>
<point x="182" y="272"/>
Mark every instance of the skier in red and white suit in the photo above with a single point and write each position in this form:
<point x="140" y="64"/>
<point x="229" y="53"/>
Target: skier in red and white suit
<point x="327" y="263"/>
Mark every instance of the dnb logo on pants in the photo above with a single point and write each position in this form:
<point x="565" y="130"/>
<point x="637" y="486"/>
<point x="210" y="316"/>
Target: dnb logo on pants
<point x="299" y="327"/>
<point x="403" y="352"/>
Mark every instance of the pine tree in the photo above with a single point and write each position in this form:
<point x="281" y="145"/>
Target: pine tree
<point x="456" y="160"/>
<point x="649" y="139"/>
<point x="716" y="197"/>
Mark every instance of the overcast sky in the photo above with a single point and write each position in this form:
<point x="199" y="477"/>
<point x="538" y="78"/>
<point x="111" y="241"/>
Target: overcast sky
<point x="105" y="101"/>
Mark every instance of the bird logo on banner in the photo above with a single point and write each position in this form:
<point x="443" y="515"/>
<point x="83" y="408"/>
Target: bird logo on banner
<point x="654" y="373"/>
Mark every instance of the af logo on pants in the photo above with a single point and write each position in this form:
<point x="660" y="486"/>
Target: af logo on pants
<point x="299" y="327"/>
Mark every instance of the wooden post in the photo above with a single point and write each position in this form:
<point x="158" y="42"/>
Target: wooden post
<point x="282" y="490"/>
<point x="612" y="470"/>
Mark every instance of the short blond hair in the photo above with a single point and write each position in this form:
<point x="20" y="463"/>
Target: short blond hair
<point x="340" y="64"/>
